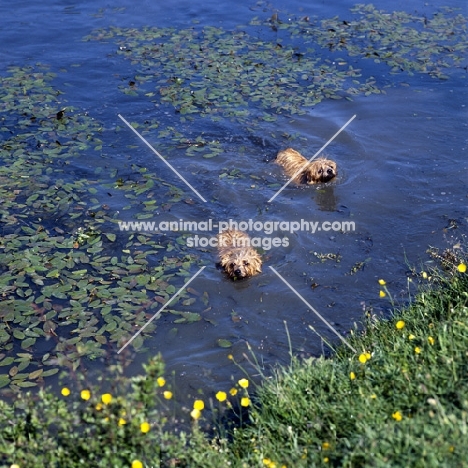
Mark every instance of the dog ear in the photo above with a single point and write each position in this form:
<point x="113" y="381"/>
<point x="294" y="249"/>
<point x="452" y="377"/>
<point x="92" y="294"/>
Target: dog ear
<point x="308" y="177"/>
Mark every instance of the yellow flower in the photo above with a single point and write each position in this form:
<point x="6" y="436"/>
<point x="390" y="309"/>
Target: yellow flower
<point x="98" y="406"/>
<point x="122" y="422"/>
<point x="230" y="356"/>
<point x="411" y="337"/>
<point x="368" y="356"/>
<point x="382" y="294"/>
<point x="17" y="466"/>
<point x="266" y="461"/>
<point x="85" y="394"/>
<point x="417" y="350"/>
<point x="245" y="401"/>
<point x="244" y="383"/>
<point x="373" y="396"/>
<point x="424" y="275"/>
<point x="352" y="375"/>
<point x="65" y="391"/>
<point x="198" y="405"/>
<point x="400" y="324"/>
<point x="137" y="464"/>
<point x="325" y="445"/>
<point x="161" y="381"/>
<point x="325" y="460"/>
<point x="195" y="413"/>
<point x="106" y="398"/>
<point x="363" y="358"/>
<point x="397" y="416"/>
<point x="382" y="282"/>
<point x="167" y="395"/>
<point x="233" y="391"/>
<point x="461" y="268"/>
<point x="221" y="396"/>
<point x="145" y="427"/>
<point x="431" y="340"/>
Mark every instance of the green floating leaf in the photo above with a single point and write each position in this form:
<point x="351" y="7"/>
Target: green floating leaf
<point x="49" y="372"/>
<point x="187" y="317"/>
<point x="222" y="343"/>
<point x="28" y="342"/>
<point x="4" y="380"/>
<point x="25" y="384"/>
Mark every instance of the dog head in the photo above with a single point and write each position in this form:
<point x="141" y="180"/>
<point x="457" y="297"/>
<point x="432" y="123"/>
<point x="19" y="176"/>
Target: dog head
<point x="242" y="263"/>
<point x="319" y="171"/>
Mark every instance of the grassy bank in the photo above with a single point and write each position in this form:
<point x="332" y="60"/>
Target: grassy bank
<point x="401" y="400"/>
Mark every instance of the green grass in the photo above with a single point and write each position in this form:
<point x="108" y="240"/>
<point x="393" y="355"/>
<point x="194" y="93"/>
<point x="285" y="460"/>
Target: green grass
<point x="402" y="400"/>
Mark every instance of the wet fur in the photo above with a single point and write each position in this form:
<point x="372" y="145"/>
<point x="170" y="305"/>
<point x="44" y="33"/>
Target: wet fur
<point x="318" y="171"/>
<point x="238" y="259"/>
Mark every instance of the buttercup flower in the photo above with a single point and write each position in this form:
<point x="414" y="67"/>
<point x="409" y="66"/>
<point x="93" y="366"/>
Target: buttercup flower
<point x="221" y="396"/>
<point x="98" y="407"/>
<point x="363" y="358"/>
<point x="122" y="422"/>
<point x="352" y="375"/>
<point x="230" y="356"/>
<point x="85" y="394"/>
<point x="65" y="391"/>
<point x="245" y="401"/>
<point x="397" y="416"/>
<point x="431" y="340"/>
<point x="145" y="427"/>
<point x="244" y="383"/>
<point x="461" y="268"/>
<point x="167" y="395"/>
<point x="161" y="381"/>
<point x="400" y="324"/>
<point x="198" y="405"/>
<point x="233" y="391"/>
<point x="411" y="337"/>
<point x="195" y="413"/>
<point x="137" y="464"/>
<point x="424" y="275"/>
<point x="382" y="282"/>
<point x="106" y="398"/>
<point x="417" y="350"/>
<point x="382" y="294"/>
<point x="325" y="445"/>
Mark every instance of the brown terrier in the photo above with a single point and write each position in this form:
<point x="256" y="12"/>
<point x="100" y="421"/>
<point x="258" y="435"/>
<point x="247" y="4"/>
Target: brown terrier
<point x="238" y="259"/>
<point x="317" y="171"/>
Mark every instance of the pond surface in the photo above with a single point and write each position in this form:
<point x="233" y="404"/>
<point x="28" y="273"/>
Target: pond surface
<point x="402" y="181"/>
